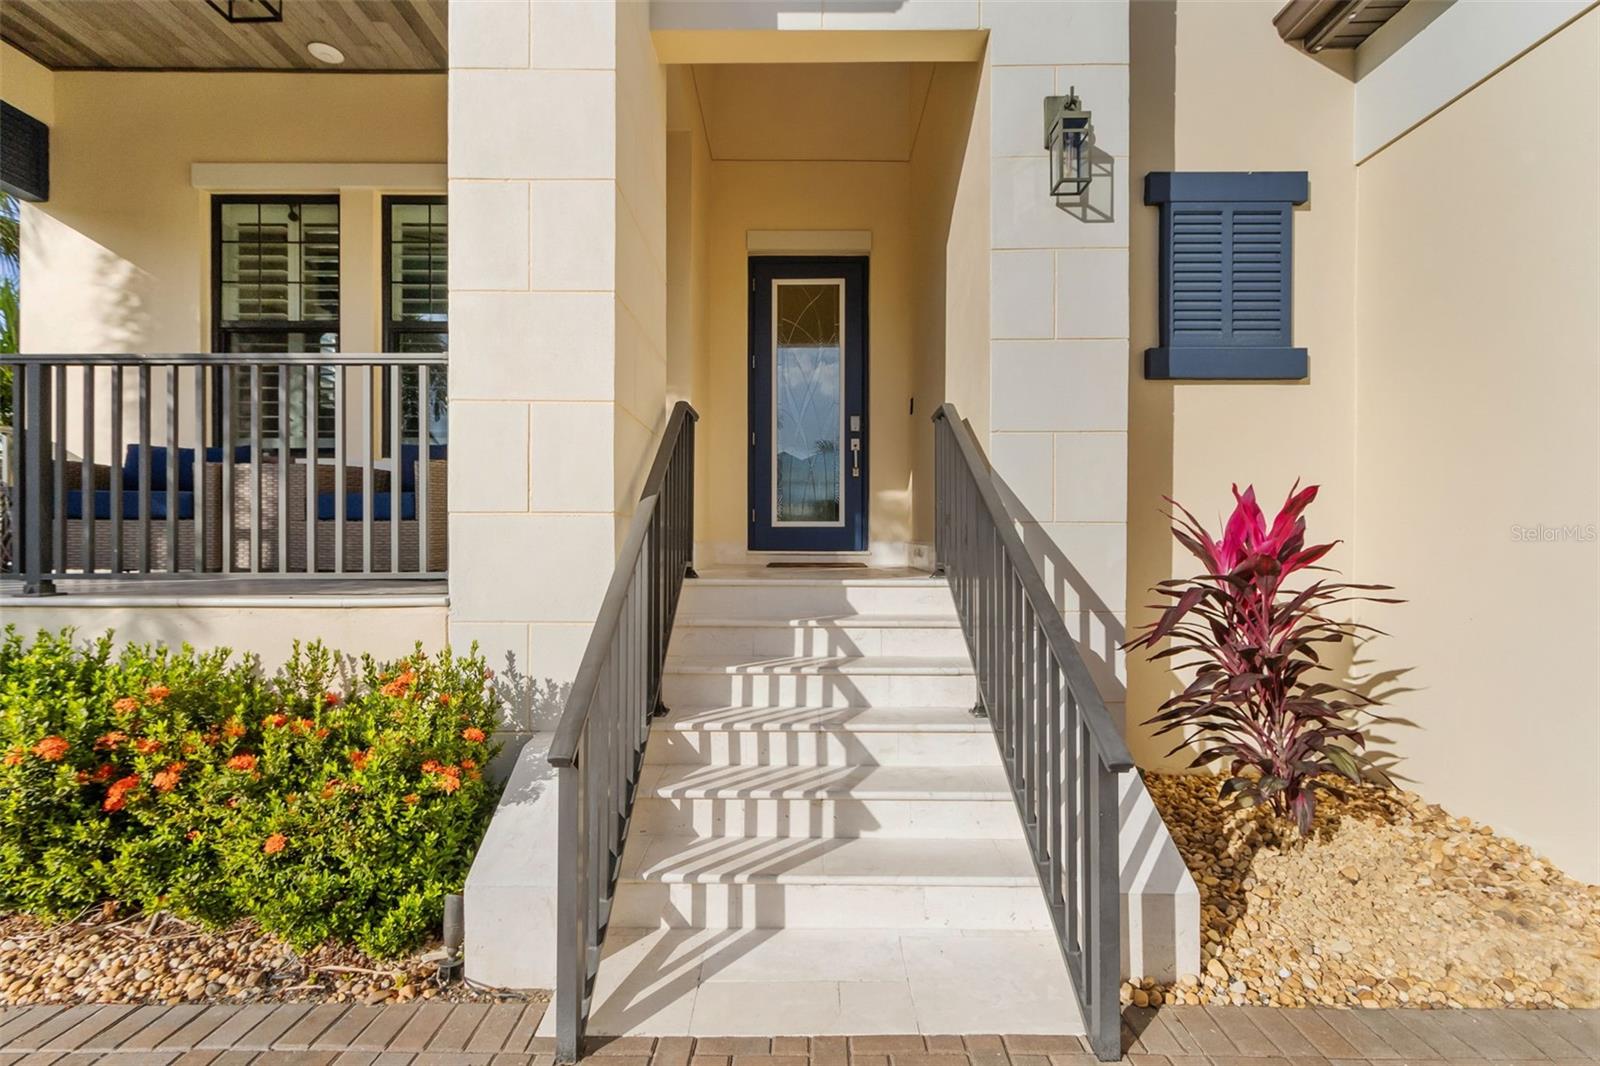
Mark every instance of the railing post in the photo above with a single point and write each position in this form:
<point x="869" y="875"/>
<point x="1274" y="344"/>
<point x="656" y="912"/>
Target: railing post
<point x="1105" y="949"/>
<point x="35" y="521"/>
<point x="572" y="905"/>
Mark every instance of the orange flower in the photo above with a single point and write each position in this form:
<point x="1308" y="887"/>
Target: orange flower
<point x="14" y="757"/>
<point x="468" y="764"/>
<point x="410" y="798"/>
<point x="116" y="795"/>
<point x="333" y="786"/>
<point x="51" y="748"/>
<point x="192" y="835"/>
<point x="276" y="720"/>
<point x="105" y="772"/>
<point x="157" y="693"/>
<point x="432" y="766"/>
<point x="331" y="699"/>
<point x="147" y="746"/>
<point x="400" y="685"/>
<point x="303" y="725"/>
<point x="275" y="843"/>
<point x="449" y="782"/>
<point x="167" y="779"/>
<point x="82" y="777"/>
<point x="234" y="728"/>
<point x="358" y="759"/>
<point x="243" y="763"/>
<point x="474" y="734"/>
<point x="110" y="740"/>
<point x="126" y="705"/>
<point x="321" y="733"/>
<point x="444" y="698"/>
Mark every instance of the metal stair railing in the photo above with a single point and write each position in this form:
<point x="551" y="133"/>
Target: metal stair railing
<point x="599" y="743"/>
<point x="1061" y="750"/>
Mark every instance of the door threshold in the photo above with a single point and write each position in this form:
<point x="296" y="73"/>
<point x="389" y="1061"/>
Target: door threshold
<point x="838" y="564"/>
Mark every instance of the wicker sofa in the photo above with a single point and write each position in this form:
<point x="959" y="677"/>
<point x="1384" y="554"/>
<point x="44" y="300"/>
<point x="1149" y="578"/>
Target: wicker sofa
<point x="231" y="540"/>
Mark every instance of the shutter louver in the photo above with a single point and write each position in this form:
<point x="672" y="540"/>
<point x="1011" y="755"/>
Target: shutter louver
<point x="1225" y="284"/>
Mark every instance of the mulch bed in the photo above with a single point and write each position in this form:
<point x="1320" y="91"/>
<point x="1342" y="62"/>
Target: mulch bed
<point x="1390" y="902"/>
<point x="103" y="957"/>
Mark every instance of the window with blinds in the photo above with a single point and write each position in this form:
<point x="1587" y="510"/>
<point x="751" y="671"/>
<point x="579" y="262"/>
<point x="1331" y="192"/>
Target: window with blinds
<point x="1226" y="271"/>
<point x="276" y="291"/>
<point x="416" y="307"/>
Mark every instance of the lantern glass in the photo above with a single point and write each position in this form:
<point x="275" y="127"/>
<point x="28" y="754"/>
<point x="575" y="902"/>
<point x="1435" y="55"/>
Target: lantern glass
<point x="1069" y="161"/>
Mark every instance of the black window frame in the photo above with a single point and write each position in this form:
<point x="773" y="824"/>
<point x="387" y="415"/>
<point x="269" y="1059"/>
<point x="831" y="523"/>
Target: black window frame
<point x="391" y="328"/>
<point x="222" y="330"/>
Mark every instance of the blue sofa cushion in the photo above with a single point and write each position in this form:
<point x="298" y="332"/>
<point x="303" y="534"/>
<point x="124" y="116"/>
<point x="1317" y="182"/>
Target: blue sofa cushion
<point x="158" y="465"/>
<point x="353" y="509"/>
<point x="130" y="504"/>
<point x="408" y="463"/>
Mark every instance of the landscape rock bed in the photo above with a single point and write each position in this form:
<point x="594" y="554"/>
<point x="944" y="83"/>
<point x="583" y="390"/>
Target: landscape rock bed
<point x="1391" y="902"/>
<point x="104" y="959"/>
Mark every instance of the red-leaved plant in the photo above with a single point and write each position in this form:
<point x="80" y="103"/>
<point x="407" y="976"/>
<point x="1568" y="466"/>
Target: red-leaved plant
<point x="1255" y="700"/>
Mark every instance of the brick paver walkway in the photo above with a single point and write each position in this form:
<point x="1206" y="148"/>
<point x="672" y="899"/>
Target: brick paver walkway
<point x="502" y="1034"/>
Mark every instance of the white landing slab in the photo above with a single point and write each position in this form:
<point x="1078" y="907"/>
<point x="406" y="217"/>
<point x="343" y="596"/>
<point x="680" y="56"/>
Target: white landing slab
<point x="790" y="982"/>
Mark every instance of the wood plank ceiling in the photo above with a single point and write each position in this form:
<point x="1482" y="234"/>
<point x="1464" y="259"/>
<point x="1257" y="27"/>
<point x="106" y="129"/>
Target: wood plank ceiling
<point x="374" y="35"/>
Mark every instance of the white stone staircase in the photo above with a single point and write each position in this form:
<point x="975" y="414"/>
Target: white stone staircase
<point x="823" y="839"/>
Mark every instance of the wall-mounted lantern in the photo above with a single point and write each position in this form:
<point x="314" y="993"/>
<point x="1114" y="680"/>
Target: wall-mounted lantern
<point x="1069" y="135"/>
<point x="239" y="12"/>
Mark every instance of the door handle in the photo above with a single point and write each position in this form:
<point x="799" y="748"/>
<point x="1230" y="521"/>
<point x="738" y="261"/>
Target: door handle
<point x="855" y="456"/>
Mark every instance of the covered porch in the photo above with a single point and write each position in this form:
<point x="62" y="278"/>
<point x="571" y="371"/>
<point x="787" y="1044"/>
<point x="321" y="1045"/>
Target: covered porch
<point x="226" y="221"/>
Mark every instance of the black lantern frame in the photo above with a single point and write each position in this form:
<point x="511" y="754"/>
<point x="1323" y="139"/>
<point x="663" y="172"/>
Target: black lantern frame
<point x="1069" y="137"/>
<point x="243" y="12"/>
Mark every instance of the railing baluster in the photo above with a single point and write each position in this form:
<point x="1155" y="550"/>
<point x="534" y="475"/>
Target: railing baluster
<point x="144" y="468"/>
<point x="285" y="461"/>
<point x="397" y="478"/>
<point x="423" y="469"/>
<point x="338" y="470"/>
<point x="225" y="402"/>
<point x="58" y="484"/>
<point x="201" y="522"/>
<point x="369" y="446"/>
<point x="171" y="375"/>
<point x="87" y="495"/>
<point x="311" y="467"/>
<point x="256" y="560"/>
<point x="116" y="486"/>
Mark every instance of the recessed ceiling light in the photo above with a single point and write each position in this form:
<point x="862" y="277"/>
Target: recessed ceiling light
<point x="325" y="52"/>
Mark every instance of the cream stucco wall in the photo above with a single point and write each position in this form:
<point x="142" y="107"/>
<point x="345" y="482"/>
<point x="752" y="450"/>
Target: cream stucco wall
<point x="1190" y="440"/>
<point x="119" y="258"/>
<point x="1477" y="449"/>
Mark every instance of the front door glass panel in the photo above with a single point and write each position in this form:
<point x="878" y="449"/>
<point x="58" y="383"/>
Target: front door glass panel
<point x="807" y="402"/>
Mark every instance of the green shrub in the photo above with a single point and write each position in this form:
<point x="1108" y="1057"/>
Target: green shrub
<point x="321" y="805"/>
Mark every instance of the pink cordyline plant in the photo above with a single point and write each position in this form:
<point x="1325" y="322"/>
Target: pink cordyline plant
<point x="1255" y="701"/>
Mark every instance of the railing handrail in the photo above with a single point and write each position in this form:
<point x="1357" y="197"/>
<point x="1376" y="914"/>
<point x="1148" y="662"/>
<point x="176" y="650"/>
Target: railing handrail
<point x="563" y="750"/>
<point x="225" y="358"/>
<point x="1109" y="745"/>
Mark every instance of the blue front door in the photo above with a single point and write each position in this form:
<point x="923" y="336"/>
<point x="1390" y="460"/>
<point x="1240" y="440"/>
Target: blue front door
<point x="808" y="410"/>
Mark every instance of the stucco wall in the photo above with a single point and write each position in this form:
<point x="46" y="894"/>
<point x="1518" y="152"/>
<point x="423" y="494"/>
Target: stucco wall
<point x="1190" y="440"/>
<point x="1477" y="452"/>
<point x="119" y="258"/>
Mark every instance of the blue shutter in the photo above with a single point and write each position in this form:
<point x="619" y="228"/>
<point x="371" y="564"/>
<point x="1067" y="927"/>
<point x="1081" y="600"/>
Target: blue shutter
<point x="1226" y="261"/>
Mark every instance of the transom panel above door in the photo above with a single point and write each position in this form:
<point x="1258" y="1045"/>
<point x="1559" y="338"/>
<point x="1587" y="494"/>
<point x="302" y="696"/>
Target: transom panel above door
<point x="808" y="393"/>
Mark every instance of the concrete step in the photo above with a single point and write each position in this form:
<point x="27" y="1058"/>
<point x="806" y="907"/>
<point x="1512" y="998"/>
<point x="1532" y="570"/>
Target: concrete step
<point x="809" y="736"/>
<point x="797" y="597"/>
<point x="849" y="634"/>
<point x="814" y="802"/>
<point x="863" y="883"/>
<point x="821" y="681"/>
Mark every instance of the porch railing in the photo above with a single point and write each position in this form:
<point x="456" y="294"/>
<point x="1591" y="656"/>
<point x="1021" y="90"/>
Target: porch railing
<point x="599" y="743"/>
<point x="201" y="465"/>
<point x="1061" y="750"/>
